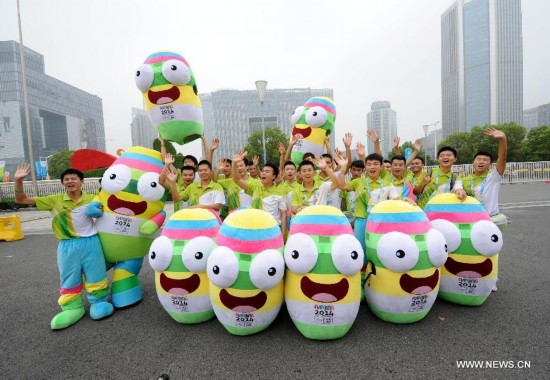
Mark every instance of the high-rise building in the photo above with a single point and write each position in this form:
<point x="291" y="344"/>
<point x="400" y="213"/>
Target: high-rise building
<point x="143" y="132"/>
<point x="481" y="64"/>
<point x="383" y="120"/>
<point x="233" y="115"/>
<point x="62" y="116"/>
<point x="537" y="116"/>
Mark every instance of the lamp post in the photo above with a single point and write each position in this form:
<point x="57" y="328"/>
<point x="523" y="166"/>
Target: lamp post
<point x="261" y="86"/>
<point x="435" y="137"/>
<point x="425" y="127"/>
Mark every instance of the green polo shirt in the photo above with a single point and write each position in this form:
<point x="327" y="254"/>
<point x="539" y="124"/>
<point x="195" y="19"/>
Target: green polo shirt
<point x="69" y="218"/>
<point x="197" y="195"/>
<point x="440" y="183"/>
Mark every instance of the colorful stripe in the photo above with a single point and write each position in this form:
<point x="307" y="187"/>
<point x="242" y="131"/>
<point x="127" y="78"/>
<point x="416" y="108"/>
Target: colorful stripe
<point x="191" y="224"/>
<point x="136" y="164"/>
<point x="323" y="102"/>
<point x="320" y="229"/>
<point x="143" y="157"/>
<point x="459" y="217"/>
<point x="454" y="207"/>
<point x="250" y="234"/>
<point x="321" y="219"/>
<point x="401" y="217"/>
<point x="74" y="290"/>
<point x="178" y="234"/>
<point x="406" y="228"/>
<point x="163" y="56"/>
<point x="250" y="246"/>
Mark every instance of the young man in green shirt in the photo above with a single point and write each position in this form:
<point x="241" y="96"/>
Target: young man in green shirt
<point x="79" y="251"/>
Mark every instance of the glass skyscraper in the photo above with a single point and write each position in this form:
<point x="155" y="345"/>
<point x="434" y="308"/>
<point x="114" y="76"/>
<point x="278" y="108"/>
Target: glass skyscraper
<point x="143" y="132"/>
<point x="481" y="64"/>
<point x="383" y="120"/>
<point x="62" y="116"/>
<point x="233" y="115"/>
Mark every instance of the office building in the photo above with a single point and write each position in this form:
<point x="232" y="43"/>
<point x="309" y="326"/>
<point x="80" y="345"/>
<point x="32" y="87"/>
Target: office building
<point x="143" y="132"/>
<point x="536" y="117"/>
<point x="382" y="119"/>
<point x="62" y="116"/>
<point x="481" y="64"/>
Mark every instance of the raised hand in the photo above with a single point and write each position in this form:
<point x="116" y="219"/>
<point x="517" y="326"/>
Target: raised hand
<point x="495" y="133"/>
<point x="320" y="163"/>
<point x="256" y="160"/>
<point x="396" y="141"/>
<point x="171" y="177"/>
<point x="239" y="156"/>
<point x="360" y="148"/>
<point x="373" y="135"/>
<point x="348" y="138"/>
<point x="169" y="159"/>
<point x="22" y="171"/>
<point x="295" y="138"/>
<point x="417" y="145"/>
<point x="221" y="163"/>
<point x="340" y="159"/>
<point x="215" y="144"/>
<point x="281" y="148"/>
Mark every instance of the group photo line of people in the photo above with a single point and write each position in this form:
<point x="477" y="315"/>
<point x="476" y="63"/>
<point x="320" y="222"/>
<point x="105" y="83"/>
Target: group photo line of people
<point x="318" y="231"/>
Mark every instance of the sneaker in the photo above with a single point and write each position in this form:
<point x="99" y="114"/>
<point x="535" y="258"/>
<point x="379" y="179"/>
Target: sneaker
<point x="67" y="318"/>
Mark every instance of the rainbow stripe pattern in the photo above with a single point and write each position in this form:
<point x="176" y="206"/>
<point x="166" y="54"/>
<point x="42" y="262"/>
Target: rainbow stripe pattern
<point x="402" y="282"/>
<point x="251" y="239"/>
<point x="171" y="96"/>
<point x="322" y="301"/>
<point x="129" y="220"/>
<point x="182" y="292"/>
<point x="470" y="274"/>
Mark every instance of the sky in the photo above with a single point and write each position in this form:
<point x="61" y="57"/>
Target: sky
<point x="365" y="50"/>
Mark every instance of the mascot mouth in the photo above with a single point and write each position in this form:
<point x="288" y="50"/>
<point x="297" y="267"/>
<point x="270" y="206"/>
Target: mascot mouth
<point x="423" y="285"/>
<point x="181" y="286"/>
<point x="325" y="293"/>
<point x="164" y="96"/>
<point x="243" y="304"/>
<point x="125" y="207"/>
<point x="469" y="270"/>
<point x="305" y="132"/>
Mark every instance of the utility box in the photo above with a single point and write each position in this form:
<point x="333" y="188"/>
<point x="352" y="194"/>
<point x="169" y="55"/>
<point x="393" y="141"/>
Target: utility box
<point x="10" y="228"/>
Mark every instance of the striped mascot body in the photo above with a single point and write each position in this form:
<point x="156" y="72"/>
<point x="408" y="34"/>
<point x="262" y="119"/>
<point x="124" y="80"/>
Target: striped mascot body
<point x="404" y="255"/>
<point x="132" y="202"/>
<point x="246" y="272"/>
<point x="474" y="241"/>
<point x="323" y="280"/>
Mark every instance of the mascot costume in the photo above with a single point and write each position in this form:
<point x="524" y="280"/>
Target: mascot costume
<point x="129" y="210"/>
<point x="171" y="96"/>
<point x="246" y="272"/>
<point x="323" y="280"/>
<point x="474" y="241"/>
<point x="179" y="257"/>
<point x="314" y="121"/>
<point x="404" y="256"/>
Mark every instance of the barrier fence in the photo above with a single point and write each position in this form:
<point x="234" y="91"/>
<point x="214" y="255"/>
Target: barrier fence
<point x="516" y="172"/>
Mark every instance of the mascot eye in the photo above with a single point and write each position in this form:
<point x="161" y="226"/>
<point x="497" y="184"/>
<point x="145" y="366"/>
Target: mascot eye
<point x="176" y="72"/>
<point x="160" y="254"/>
<point x="397" y="252"/>
<point x="347" y="254"/>
<point x="486" y="238"/>
<point x="316" y="116"/>
<point x="437" y="247"/>
<point x="144" y="77"/>
<point x="149" y="188"/>
<point x="222" y="267"/>
<point x="300" y="253"/>
<point x="116" y="178"/>
<point x="297" y="115"/>
<point x="195" y="253"/>
<point x="450" y="232"/>
<point x="267" y="269"/>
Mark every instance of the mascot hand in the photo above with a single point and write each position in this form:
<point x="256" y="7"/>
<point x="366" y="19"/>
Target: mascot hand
<point x="148" y="227"/>
<point x="94" y="210"/>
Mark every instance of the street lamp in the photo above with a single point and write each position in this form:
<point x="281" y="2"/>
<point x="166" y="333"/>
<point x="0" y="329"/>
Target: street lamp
<point x="435" y="137"/>
<point x="261" y="86"/>
<point x="425" y="127"/>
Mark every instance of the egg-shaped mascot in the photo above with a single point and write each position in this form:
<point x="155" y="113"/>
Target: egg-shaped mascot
<point x="246" y="272"/>
<point x="323" y="280"/>
<point x="474" y="241"/>
<point x="404" y="258"/>
<point x="171" y="96"/>
<point x="314" y="121"/>
<point x="179" y="256"/>
<point x="129" y="210"/>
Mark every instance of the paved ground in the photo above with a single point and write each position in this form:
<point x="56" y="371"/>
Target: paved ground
<point x="143" y="342"/>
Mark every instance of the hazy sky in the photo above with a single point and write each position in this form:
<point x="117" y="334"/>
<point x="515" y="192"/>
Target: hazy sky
<point x="365" y="50"/>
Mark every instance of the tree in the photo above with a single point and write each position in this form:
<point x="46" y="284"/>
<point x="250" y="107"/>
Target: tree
<point x="464" y="145"/>
<point x="272" y="137"/>
<point x="59" y="162"/>
<point x="536" y="147"/>
<point x="178" y="157"/>
<point x="515" y="136"/>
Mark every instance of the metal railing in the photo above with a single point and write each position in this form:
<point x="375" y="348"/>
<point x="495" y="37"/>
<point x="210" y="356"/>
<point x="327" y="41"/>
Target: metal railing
<point x="46" y="187"/>
<point x="516" y="172"/>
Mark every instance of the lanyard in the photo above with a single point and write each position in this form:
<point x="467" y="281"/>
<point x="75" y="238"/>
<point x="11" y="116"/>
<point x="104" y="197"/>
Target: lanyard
<point x="482" y="188"/>
<point x="369" y="192"/>
<point x="447" y="187"/>
<point x="314" y="200"/>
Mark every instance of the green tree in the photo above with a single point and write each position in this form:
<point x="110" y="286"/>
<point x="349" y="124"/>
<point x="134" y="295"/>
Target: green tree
<point x="464" y="145"/>
<point x="515" y="136"/>
<point x="537" y="145"/>
<point x="272" y="137"/>
<point x="59" y="162"/>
